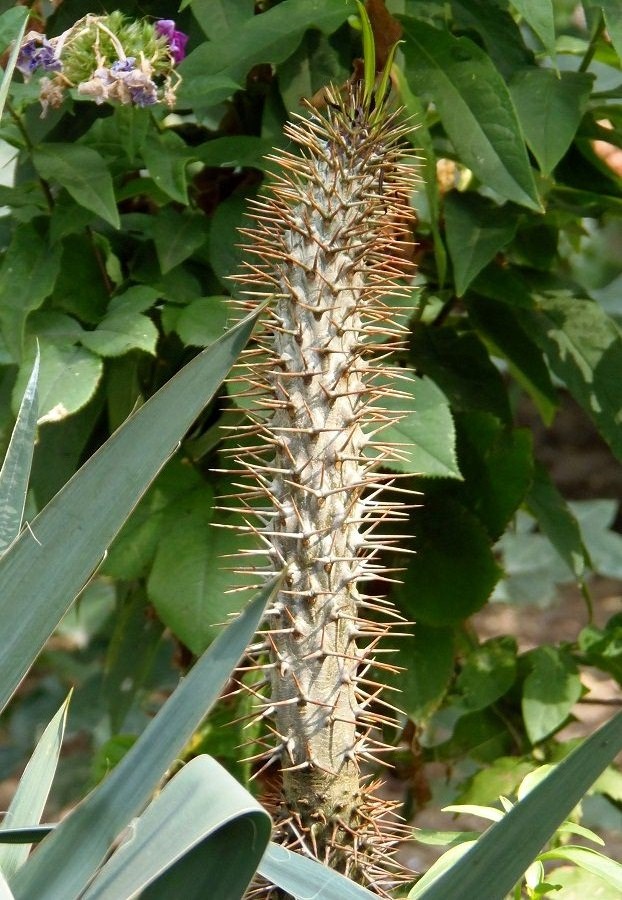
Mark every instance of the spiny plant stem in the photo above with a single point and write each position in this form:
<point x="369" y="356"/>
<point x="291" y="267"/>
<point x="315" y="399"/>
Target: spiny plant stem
<point x="325" y="245"/>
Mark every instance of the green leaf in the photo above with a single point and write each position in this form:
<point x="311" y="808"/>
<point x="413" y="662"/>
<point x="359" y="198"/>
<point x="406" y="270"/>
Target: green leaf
<point x="577" y="884"/>
<point x="502" y="327"/>
<point x="242" y="151"/>
<point x="12" y="27"/>
<point x="556" y="521"/>
<point x="5" y="890"/>
<point x="590" y="860"/>
<point x="58" y="873"/>
<point x="603" y="647"/>
<point x="203" y="321"/>
<point x="302" y="877"/>
<point x="202" y="812"/>
<point x="458" y="362"/>
<point x="83" y="173"/>
<point x="454" y="569"/>
<point x="166" y="157"/>
<point x="68" y="378"/>
<point x="191" y="577"/>
<point x="613" y="21"/>
<point x="27" y="276"/>
<point x="497" y="465"/>
<point x="443" y="865"/>
<point x="476" y="231"/>
<point x="177" y="236"/>
<point x="267" y="38"/>
<point x="539" y="14"/>
<point x="427" y="662"/>
<point x="501" y="855"/>
<point x="584" y="348"/>
<point x="218" y="18"/>
<point x="551" y="689"/>
<point x="124" y="328"/>
<point x="64" y="544"/>
<point x="28" y="803"/>
<point x="550" y="106"/>
<point x="475" y="107"/>
<point x="488" y="673"/>
<point x="130" y="655"/>
<point x="500" y="779"/>
<point x="426" y="431"/>
<point x="499" y="33"/>
<point x="15" y="471"/>
<point x="133" y="127"/>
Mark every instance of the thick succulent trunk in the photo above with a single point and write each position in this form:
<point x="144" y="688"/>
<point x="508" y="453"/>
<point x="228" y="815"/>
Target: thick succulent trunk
<point x="325" y="243"/>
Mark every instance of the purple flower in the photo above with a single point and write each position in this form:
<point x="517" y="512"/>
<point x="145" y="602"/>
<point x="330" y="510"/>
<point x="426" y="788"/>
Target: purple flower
<point x="123" y="65"/>
<point x="33" y="56"/>
<point x="177" y="40"/>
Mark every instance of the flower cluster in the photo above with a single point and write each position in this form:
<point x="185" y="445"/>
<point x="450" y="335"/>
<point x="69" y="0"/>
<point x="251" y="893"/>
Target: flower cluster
<point x="107" y="59"/>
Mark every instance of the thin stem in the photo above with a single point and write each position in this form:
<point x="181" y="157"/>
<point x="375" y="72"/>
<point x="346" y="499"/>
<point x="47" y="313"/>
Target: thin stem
<point x="591" y="50"/>
<point x="47" y="193"/>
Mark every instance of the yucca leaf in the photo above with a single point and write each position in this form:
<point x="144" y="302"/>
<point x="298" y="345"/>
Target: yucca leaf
<point x="32" y="792"/>
<point x="51" y="561"/>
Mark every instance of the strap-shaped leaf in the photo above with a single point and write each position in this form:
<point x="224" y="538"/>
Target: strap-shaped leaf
<point x="303" y="877"/>
<point x="56" y="871"/>
<point x="17" y="462"/>
<point x="55" y="556"/>
<point x="32" y="792"/>
<point x="499" y="858"/>
<point x="203" y="822"/>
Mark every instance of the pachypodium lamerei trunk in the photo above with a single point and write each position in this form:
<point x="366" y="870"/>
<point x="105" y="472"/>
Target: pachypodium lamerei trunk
<point x="325" y="255"/>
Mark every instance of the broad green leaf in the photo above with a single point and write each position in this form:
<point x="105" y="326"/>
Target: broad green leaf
<point x="130" y="655"/>
<point x="551" y="689"/>
<point x="556" y="521"/>
<point x="27" y="276"/>
<point x="454" y="569"/>
<point x="204" y="320"/>
<point x="202" y="811"/>
<point x="497" y="465"/>
<point x="488" y="672"/>
<point x="190" y="578"/>
<point x="177" y="236"/>
<point x="577" y="884"/>
<point x="316" y="63"/>
<point x="15" y="472"/>
<point x="220" y="18"/>
<point x="499" y="858"/>
<point x="421" y="140"/>
<point x="242" y="151"/>
<point x="603" y="543"/>
<point x="499" y="32"/>
<point x="476" y="230"/>
<point x="12" y="27"/>
<point x="458" y="362"/>
<point x="590" y="860"/>
<point x="80" y="288"/>
<point x="584" y="348"/>
<point x="426" y="660"/>
<point x="121" y="331"/>
<point x="226" y="254"/>
<point x="550" y="107"/>
<point x="475" y="107"/>
<point x="425" y="433"/>
<point x="603" y="648"/>
<point x="28" y="803"/>
<point x="500" y="779"/>
<point x="501" y="325"/>
<point x="55" y="871"/>
<point x="303" y="877"/>
<point x="539" y="14"/>
<point x="267" y="38"/>
<point x="613" y="21"/>
<point x="133" y="128"/>
<point x="83" y="172"/>
<point x="68" y="378"/>
<point x="167" y="156"/>
<point x="53" y="559"/>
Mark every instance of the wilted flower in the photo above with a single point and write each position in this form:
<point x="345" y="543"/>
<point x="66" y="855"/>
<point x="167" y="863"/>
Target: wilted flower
<point x="37" y="53"/>
<point x="177" y="40"/>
